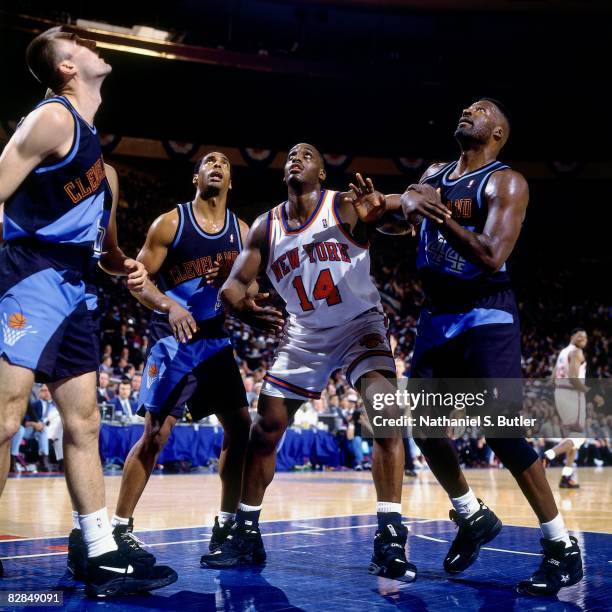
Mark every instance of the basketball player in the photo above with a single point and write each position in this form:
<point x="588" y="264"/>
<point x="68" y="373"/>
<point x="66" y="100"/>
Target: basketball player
<point x="314" y="248"/>
<point x="472" y="211"/>
<point x="57" y="207"/>
<point x="190" y="359"/>
<point x="570" y="399"/>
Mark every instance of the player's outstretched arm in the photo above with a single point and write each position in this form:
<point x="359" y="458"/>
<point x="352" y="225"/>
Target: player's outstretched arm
<point x="236" y="289"/>
<point x="152" y="256"/>
<point x="360" y="208"/>
<point x="46" y="132"/>
<point x="420" y="200"/>
<point x="507" y="195"/>
<point x="113" y="260"/>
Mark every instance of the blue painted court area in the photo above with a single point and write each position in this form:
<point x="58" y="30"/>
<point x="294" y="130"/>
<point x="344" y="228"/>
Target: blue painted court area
<point x="320" y="564"/>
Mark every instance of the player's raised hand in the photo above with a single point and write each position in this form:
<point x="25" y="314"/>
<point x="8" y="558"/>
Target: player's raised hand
<point x="422" y="200"/>
<point x="136" y="274"/>
<point x="182" y="323"/>
<point x="368" y="203"/>
<point x="265" y="318"/>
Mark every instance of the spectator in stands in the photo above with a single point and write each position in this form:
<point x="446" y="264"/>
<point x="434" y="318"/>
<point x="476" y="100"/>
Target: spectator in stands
<point x="107" y="365"/>
<point x="33" y="427"/>
<point x="125" y="408"/>
<point x="121" y="368"/>
<point x="129" y="372"/>
<point x="136" y="382"/>
<point x="53" y="423"/>
<point x="306" y="416"/>
<point x="251" y="394"/>
<point x="105" y="393"/>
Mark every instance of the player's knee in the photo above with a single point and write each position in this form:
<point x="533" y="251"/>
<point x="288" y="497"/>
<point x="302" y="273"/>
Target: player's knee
<point x="515" y="453"/>
<point x="577" y="442"/>
<point x="430" y="446"/>
<point x="154" y="438"/>
<point x="84" y="423"/>
<point x="267" y="432"/>
<point x="9" y="427"/>
<point x="237" y="429"/>
<point x="390" y="445"/>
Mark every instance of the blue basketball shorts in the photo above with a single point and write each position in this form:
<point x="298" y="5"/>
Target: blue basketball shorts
<point x="201" y="374"/>
<point x="48" y="315"/>
<point x="481" y="342"/>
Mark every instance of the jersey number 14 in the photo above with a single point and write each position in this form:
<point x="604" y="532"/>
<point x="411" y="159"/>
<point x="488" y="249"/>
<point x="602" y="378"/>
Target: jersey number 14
<point x="324" y="289"/>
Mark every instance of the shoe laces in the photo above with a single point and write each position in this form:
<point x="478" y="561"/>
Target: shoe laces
<point x="132" y="541"/>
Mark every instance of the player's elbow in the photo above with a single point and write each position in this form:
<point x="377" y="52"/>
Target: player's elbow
<point x="227" y="295"/>
<point x="491" y="263"/>
<point x="491" y="258"/>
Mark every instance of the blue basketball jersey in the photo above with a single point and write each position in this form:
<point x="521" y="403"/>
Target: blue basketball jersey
<point x="65" y="202"/>
<point x="447" y="276"/>
<point x="191" y="255"/>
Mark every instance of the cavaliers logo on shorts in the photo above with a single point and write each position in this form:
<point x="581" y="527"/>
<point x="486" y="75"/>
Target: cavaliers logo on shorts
<point x="371" y="341"/>
<point x="152" y="371"/>
<point x="14" y="327"/>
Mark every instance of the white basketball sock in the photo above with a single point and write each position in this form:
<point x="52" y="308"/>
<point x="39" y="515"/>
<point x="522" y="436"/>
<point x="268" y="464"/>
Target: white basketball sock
<point x="555" y="530"/>
<point x="97" y="533"/>
<point x="466" y="505"/>
<point x="75" y="520"/>
<point x="567" y="471"/>
<point x="388" y="507"/>
<point x="119" y="520"/>
<point x="247" y="508"/>
<point x="550" y="454"/>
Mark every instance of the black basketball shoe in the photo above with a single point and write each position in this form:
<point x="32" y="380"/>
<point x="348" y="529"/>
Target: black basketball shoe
<point x="119" y="572"/>
<point x="561" y="567"/>
<point x="242" y="546"/>
<point x="219" y="534"/>
<point x="126" y="540"/>
<point x="77" y="555"/>
<point x="567" y="482"/>
<point x="389" y="558"/>
<point x="474" y="531"/>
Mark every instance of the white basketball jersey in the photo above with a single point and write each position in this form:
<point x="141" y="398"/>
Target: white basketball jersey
<point x="318" y="269"/>
<point x="562" y="365"/>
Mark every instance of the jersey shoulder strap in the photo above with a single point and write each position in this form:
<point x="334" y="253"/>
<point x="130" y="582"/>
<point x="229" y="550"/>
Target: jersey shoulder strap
<point x="439" y="173"/>
<point x="180" y="209"/>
